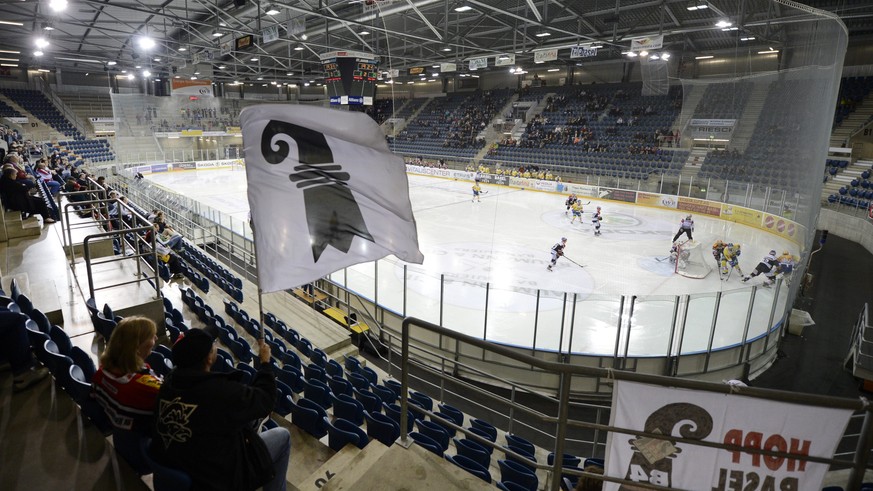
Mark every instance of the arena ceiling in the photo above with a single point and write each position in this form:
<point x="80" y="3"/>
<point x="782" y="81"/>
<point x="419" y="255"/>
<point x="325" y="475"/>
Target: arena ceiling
<point x="196" y="35"/>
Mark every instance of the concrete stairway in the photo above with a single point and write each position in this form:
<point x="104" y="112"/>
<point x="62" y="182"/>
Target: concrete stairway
<point x="844" y="178"/>
<point x="689" y="104"/>
<point x="747" y="123"/>
<point x="693" y="163"/>
<point x="852" y="123"/>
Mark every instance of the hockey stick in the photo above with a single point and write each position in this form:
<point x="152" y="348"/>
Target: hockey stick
<point x="662" y="259"/>
<point x="729" y="273"/>
<point x="574" y="262"/>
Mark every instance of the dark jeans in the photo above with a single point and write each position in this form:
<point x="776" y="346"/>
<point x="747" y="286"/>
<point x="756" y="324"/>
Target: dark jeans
<point x="14" y="345"/>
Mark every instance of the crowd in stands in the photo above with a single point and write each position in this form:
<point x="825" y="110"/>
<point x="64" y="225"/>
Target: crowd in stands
<point x="853" y="90"/>
<point x="37" y="104"/>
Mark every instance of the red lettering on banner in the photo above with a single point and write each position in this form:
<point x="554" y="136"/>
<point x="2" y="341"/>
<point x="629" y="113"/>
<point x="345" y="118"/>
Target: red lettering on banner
<point x="776" y="443"/>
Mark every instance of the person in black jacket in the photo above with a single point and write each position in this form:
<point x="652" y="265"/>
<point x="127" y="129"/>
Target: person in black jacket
<point x="205" y="422"/>
<point x="15" y="196"/>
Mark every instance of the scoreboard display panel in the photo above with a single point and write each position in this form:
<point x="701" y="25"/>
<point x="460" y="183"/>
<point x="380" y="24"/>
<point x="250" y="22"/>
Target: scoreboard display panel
<point x="350" y="77"/>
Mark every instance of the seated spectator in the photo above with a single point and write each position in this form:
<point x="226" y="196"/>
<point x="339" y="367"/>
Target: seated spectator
<point x="48" y="177"/>
<point x="14" y="196"/>
<point x="590" y="483"/>
<point x="124" y="384"/>
<point x="15" y="348"/>
<point x="206" y="421"/>
<point x="168" y="257"/>
<point x="170" y="238"/>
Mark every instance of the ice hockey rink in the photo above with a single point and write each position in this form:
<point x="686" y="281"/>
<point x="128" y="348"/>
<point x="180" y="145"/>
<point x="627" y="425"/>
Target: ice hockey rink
<point x="505" y="241"/>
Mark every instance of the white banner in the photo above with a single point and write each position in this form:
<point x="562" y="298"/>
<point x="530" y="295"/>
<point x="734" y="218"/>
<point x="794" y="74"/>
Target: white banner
<point x="477" y="63"/>
<point x="448" y="67"/>
<point x="722" y="129"/>
<point x="102" y="120"/>
<point x="296" y="26"/>
<point x="646" y="43"/>
<point x="438" y="172"/>
<point x="504" y="60"/>
<point x="225" y="46"/>
<point x="543" y="55"/>
<point x="718" y="418"/>
<point x="270" y="34"/>
<point x="316" y="189"/>
<point x="16" y="119"/>
<point x="582" y="52"/>
<point x="200" y="88"/>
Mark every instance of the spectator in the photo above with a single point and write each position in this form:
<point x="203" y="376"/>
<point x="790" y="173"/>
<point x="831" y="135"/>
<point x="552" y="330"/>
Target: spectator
<point x="15" y="348"/>
<point x="590" y="483"/>
<point x="124" y="384"/>
<point x="48" y="177"/>
<point x="15" y="197"/>
<point x="170" y="238"/>
<point x="205" y="422"/>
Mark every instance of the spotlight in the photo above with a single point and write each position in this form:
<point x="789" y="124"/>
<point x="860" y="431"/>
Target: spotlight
<point x="146" y="42"/>
<point x="58" y="5"/>
<point x="723" y="23"/>
<point x="111" y="63"/>
<point x="38" y="53"/>
<point x="146" y="73"/>
<point x="272" y="10"/>
<point x="40" y="42"/>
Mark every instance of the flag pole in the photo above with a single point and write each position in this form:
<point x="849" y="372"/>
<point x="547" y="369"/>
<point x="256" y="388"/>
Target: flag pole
<point x="258" y="274"/>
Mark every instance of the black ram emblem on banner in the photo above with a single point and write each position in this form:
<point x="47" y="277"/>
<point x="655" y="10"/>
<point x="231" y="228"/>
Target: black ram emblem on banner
<point x="333" y="215"/>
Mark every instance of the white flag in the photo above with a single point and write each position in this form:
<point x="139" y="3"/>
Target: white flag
<point x="325" y="193"/>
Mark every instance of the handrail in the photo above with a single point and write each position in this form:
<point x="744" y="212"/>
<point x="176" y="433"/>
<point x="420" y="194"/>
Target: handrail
<point x="88" y="263"/>
<point x="567" y="371"/>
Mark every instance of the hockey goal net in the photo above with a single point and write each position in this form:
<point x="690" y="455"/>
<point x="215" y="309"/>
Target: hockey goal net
<point x="691" y="260"/>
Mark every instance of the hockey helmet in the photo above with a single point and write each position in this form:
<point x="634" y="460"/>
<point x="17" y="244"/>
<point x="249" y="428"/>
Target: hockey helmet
<point x="736" y="246"/>
<point x="598" y="207"/>
<point x="563" y="239"/>
<point x="688" y="217"/>
<point x="730" y="244"/>
<point x="772" y="252"/>
<point x="786" y="253"/>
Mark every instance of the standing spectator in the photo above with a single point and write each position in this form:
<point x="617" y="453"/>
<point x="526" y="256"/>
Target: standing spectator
<point x="206" y="421"/>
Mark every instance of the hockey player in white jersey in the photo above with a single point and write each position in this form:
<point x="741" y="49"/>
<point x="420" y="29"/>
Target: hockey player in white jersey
<point x="595" y="220"/>
<point x="686" y="226"/>
<point x="768" y="266"/>
<point x="557" y="251"/>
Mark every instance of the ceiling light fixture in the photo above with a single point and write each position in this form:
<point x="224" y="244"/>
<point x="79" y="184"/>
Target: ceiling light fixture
<point x="182" y="48"/>
<point x="553" y="70"/>
<point x="748" y="38"/>
<point x="298" y="48"/>
<point x="697" y="6"/>
<point x="254" y="58"/>
<point x="10" y="23"/>
<point x="9" y="59"/>
<point x="446" y="49"/>
<point x="770" y="52"/>
<point x="464" y="7"/>
<point x="665" y="56"/>
<point x="705" y="57"/>
<point x="644" y="53"/>
<point x="138" y="66"/>
<point x="9" y="64"/>
<point x="146" y="73"/>
<point x="40" y="42"/>
<point x="221" y="67"/>
<point x="723" y="23"/>
<point x="542" y="34"/>
<point x="58" y="5"/>
<point x="631" y="54"/>
<point x="10" y="52"/>
<point x="654" y="57"/>
<point x="304" y="37"/>
<point x="146" y="42"/>
<point x="131" y="77"/>
<point x="272" y="10"/>
<point x="157" y="59"/>
<point x="193" y="78"/>
<point x="217" y="34"/>
<point x="364" y="33"/>
<point x="43" y="70"/>
<point x="111" y="63"/>
<point x="38" y="53"/>
<point x="731" y="29"/>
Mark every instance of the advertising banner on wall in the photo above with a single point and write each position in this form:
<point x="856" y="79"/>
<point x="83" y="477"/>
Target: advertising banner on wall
<point x="448" y="67"/>
<point x="200" y="88"/>
<point x="617" y="194"/>
<point x="16" y="119"/>
<point x="647" y="43"/>
<point x="784" y="227"/>
<point x="695" y="205"/>
<point x="721" y="129"/>
<point x="504" y="60"/>
<point x="718" y="418"/>
<point x="740" y="214"/>
<point x="581" y="189"/>
<point x="653" y="199"/>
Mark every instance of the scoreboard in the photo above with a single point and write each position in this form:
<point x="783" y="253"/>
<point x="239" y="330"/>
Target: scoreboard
<point x="350" y="77"/>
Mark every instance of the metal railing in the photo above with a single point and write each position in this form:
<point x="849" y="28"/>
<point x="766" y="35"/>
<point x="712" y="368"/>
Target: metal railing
<point x="561" y="404"/>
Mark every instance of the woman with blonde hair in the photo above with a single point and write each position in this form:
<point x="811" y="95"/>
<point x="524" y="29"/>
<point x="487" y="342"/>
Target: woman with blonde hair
<point x="125" y="385"/>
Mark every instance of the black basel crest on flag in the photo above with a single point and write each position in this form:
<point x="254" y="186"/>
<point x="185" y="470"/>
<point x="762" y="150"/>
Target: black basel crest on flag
<point x="333" y="215"/>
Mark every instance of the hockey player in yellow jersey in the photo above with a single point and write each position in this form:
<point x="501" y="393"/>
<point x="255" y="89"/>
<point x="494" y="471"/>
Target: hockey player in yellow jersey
<point x="476" y="191"/>
<point x="577" y="211"/>
<point x="731" y="259"/>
